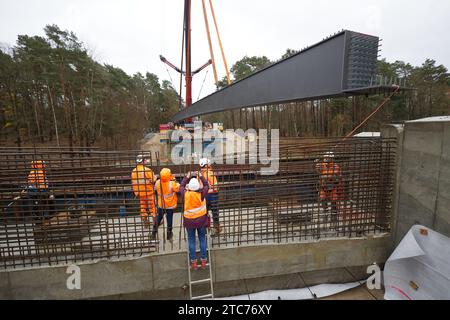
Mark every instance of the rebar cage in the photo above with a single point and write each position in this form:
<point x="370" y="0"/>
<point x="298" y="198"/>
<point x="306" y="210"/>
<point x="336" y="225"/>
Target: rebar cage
<point x="88" y="210"/>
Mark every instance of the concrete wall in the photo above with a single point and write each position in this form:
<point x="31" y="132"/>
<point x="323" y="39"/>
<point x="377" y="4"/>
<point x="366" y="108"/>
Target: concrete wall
<point x="395" y="131"/>
<point x="423" y="190"/>
<point x="164" y="276"/>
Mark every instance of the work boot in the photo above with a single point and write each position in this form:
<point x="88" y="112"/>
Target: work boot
<point x="169" y="235"/>
<point x="203" y="263"/>
<point x="194" y="265"/>
<point x="154" y="235"/>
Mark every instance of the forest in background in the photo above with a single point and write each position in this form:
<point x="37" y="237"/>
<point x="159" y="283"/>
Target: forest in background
<point x="54" y="93"/>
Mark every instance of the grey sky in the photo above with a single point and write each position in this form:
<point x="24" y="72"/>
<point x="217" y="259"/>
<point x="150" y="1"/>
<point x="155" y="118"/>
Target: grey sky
<point x="131" y="34"/>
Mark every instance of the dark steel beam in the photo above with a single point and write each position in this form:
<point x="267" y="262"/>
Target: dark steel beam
<point x="331" y="68"/>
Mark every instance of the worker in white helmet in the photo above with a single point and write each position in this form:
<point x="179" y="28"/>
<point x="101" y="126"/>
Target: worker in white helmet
<point x="213" y="194"/>
<point x="194" y="189"/>
<point x="143" y="180"/>
<point x="330" y="190"/>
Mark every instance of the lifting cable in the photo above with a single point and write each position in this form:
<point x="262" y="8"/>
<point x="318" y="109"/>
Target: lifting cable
<point x="207" y="70"/>
<point x="220" y="43"/>
<point x="171" y="80"/>
<point x="180" y="107"/>
<point x="397" y="88"/>
<point x="211" y="51"/>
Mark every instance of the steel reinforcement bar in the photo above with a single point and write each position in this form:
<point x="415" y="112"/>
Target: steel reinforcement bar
<point x="87" y="209"/>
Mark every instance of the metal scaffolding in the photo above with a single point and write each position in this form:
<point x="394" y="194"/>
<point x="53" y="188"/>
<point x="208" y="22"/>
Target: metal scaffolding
<point x="89" y="211"/>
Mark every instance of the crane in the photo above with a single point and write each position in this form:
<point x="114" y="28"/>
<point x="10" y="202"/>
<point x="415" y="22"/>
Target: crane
<point x="186" y="69"/>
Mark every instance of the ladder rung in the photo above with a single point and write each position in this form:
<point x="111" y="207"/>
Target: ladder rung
<point x="201" y="281"/>
<point x="202" y="297"/>
<point x="206" y="265"/>
<point x="199" y="267"/>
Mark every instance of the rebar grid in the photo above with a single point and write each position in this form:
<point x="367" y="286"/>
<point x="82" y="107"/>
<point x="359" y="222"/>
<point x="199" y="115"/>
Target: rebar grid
<point x="95" y="215"/>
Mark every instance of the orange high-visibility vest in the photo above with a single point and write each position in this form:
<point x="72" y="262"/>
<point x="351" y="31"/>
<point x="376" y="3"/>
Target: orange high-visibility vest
<point x="212" y="179"/>
<point x="142" y="181"/>
<point x="329" y="170"/>
<point x="36" y="178"/>
<point x="194" y="207"/>
<point x="330" y="187"/>
<point x="168" y="193"/>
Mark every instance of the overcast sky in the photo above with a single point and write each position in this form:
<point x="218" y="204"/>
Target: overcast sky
<point x="131" y="34"/>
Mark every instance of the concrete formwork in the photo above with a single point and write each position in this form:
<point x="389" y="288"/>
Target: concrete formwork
<point x="164" y="276"/>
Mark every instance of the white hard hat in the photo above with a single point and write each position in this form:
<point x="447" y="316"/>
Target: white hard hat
<point x="329" y="154"/>
<point x="142" y="158"/>
<point x="194" y="185"/>
<point x="204" y="162"/>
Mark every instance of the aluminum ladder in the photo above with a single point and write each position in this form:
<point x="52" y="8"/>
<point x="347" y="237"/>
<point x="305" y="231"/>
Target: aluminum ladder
<point x="205" y="280"/>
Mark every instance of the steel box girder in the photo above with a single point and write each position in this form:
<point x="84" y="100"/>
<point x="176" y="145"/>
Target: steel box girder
<point x="330" y="68"/>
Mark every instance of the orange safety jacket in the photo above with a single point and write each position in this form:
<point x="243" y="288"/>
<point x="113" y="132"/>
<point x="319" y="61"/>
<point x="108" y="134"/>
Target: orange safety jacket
<point x="194" y="207"/>
<point x="167" y="191"/>
<point x="37" y="179"/>
<point x="208" y="174"/>
<point x="142" y="181"/>
<point x="330" y="186"/>
<point x="329" y="170"/>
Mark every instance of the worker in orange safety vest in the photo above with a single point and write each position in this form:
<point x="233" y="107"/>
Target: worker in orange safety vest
<point x="142" y="180"/>
<point x="195" y="215"/>
<point x="38" y="191"/>
<point x="37" y="178"/>
<point x="166" y="188"/>
<point x="329" y="184"/>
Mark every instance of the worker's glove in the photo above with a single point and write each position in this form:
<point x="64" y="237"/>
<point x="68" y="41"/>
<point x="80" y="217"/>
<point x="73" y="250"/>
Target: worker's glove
<point x="17" y="198"/>
<point x="192" y="174"/>
<point x="52" y="197"/>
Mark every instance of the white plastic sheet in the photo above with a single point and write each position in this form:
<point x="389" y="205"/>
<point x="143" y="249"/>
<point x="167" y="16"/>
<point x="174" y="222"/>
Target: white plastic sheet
<point x="321" y="290"/>
<point x="419" y="268"/>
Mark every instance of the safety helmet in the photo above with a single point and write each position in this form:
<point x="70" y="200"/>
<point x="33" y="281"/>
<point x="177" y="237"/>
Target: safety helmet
<point x="204" y="162"/>
<point x="194" y="185"/>
<point x="37" y="164"/>
<point x="329" y="155"/>
<point x="165" y="174"/>
<point x="141" y="159"/>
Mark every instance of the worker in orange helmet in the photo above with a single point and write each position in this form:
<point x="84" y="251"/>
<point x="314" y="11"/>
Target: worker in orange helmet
<point x="142" y="180"/>
<point x="212" y="198"/>
<point x="166" y="188"/>
<point x="38" y="190"/>
<point x="329" y="184"/>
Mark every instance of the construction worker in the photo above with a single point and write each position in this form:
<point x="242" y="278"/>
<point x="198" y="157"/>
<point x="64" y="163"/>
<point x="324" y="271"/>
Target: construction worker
<point x="166" y="188"/>
<point x="195" y="214"/>
<point x="329" y="183"/>
<point x="142" y="180"/>
<point x="38" y="190"/>
<point x="37" y="178"/>
<point x="213" y="194"/>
